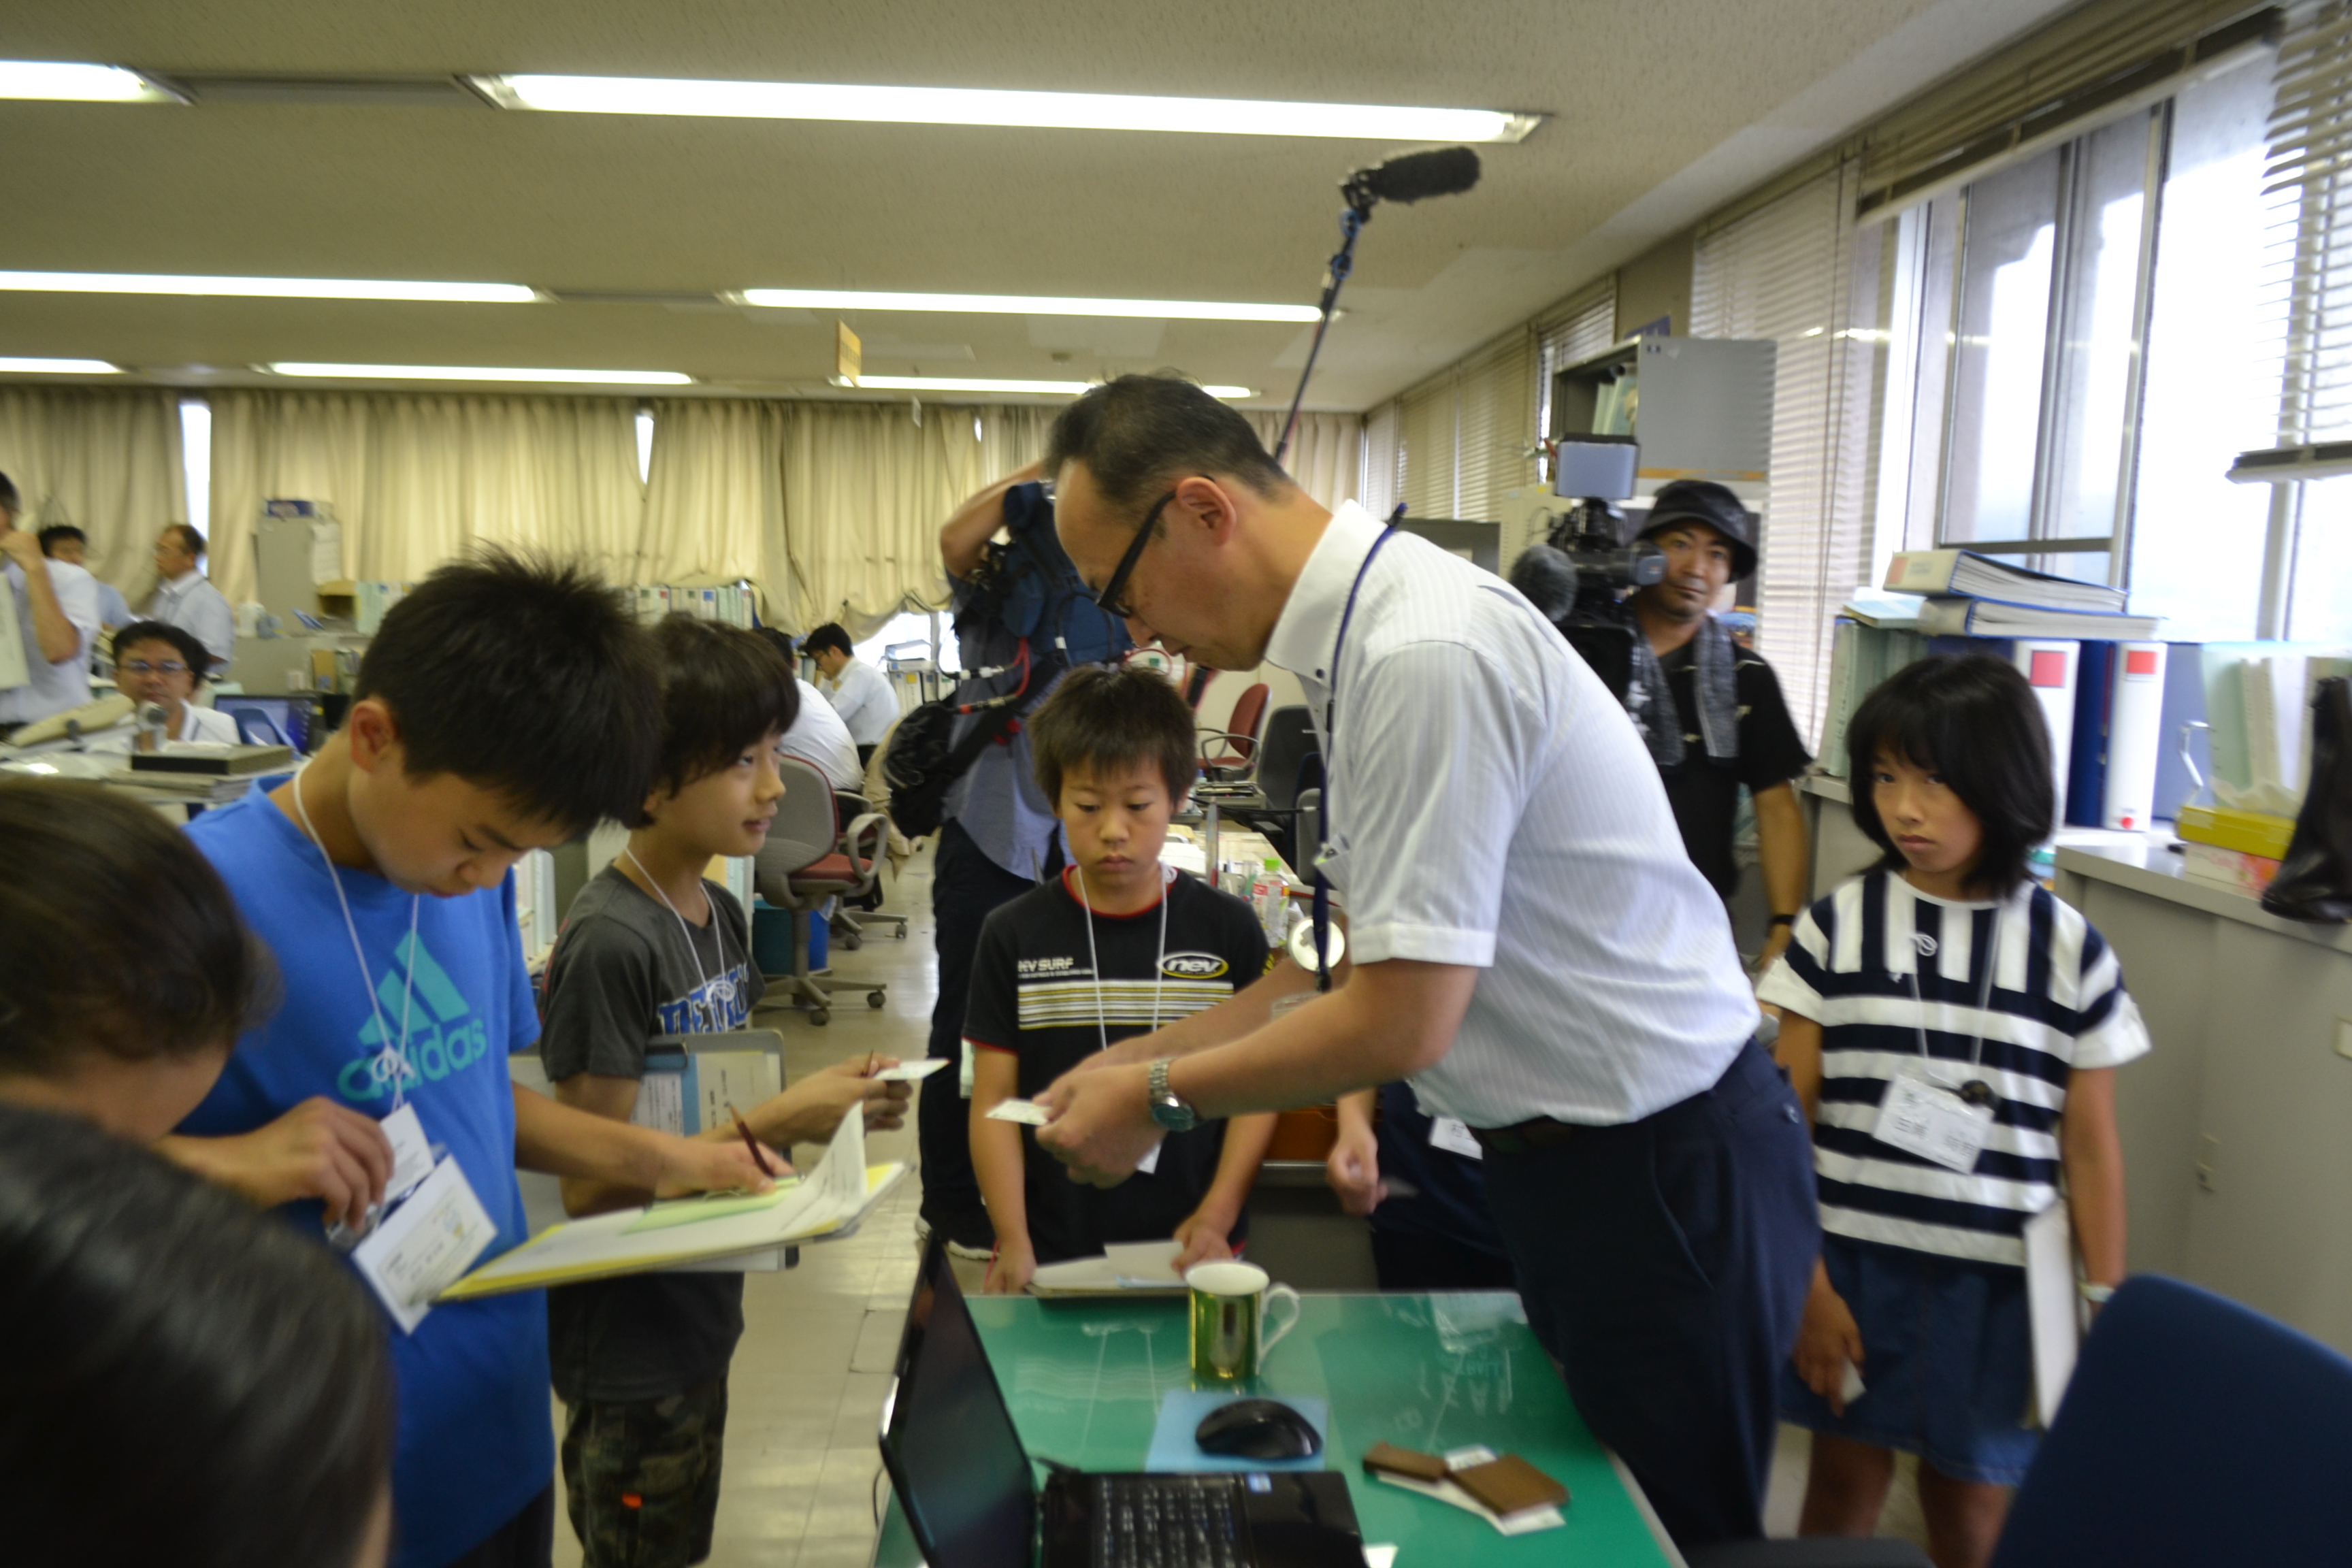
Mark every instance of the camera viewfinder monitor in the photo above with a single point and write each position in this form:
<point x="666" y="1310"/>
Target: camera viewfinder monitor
<point x="947" y="1439"/>
<point x="1598" y="466"/>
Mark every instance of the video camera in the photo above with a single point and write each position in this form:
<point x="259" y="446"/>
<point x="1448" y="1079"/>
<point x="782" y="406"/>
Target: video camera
<point x="1581" y="573"/>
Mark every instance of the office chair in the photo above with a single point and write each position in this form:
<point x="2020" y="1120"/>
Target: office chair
<point x="2195" y="1431"/>
<point x="1306" y="837"/>
<point x="1227" y="754"/>
<point x="1288" y="762"/>
<point x="806" y="860"/>
<point x="848" y="924"/>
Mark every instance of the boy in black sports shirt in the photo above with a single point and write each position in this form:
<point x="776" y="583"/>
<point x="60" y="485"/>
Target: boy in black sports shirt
<point x="1117" y="946"/>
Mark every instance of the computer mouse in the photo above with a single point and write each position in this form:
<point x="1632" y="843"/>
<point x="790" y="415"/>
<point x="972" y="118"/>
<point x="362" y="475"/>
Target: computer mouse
<point x="1257" y="1430"/>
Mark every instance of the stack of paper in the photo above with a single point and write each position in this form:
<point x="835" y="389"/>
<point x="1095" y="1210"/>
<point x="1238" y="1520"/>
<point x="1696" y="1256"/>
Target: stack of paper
<point x="1124" y="1267"/>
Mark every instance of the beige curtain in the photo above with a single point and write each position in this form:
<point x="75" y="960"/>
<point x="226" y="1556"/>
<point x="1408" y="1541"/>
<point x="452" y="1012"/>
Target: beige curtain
<point x="106" y="462"/>
<point x="715" y="500"/>
<point x="1326" y="453"/>
<point x="415" y="479"/>
<point x="832" y="508"/>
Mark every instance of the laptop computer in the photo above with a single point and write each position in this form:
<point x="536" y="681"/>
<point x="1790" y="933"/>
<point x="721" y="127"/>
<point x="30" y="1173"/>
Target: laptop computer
<point x="964" y="1482"/>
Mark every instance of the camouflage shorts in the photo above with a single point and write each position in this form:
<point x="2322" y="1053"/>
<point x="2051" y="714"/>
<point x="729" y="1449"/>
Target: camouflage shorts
<point x="641" y="1479"/>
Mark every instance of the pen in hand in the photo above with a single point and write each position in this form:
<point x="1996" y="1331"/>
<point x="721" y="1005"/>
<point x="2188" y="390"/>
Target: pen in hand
<point x="759" y="1157"/>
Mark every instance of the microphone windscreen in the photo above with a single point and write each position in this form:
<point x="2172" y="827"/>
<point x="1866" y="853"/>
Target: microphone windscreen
<point x="1447" y="171"/>
<point x="1547" y="579"/>
<point x="152" y="714"/>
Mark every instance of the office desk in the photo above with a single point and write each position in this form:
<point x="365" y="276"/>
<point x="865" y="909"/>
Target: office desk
<point x="1085" y="1381"/>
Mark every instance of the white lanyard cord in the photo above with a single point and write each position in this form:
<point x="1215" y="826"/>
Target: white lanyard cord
<point x="719" y="935"/>
<point x="1158" y="973"/>
<point x="1984" y="992"/>
<point x="395" y="1055"/>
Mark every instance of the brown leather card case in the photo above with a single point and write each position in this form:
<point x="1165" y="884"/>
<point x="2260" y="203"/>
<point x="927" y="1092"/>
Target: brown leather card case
<point x="1508" y="1485"/>
<point x="1404" y="1462"/>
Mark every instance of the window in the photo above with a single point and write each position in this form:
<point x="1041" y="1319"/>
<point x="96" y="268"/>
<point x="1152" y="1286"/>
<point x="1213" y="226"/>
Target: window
<point x="196" y="461"/>
<point x="2212" y="379"/>
<point x="2046" y="332"/>
<point x="2078" y="354"/>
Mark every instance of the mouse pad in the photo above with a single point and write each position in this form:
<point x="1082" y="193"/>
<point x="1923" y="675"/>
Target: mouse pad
<point x="1173" y="1449"/>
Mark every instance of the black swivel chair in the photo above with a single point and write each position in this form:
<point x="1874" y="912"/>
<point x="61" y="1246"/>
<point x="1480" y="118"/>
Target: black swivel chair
<point x="1288" y="761"/>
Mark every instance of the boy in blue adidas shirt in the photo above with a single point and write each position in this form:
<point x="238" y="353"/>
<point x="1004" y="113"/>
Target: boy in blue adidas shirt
<point x="502" y="707"/>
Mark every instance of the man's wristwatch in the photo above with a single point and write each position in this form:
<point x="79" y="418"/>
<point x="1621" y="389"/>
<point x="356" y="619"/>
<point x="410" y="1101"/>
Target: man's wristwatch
<point x="1166" y="1109"/>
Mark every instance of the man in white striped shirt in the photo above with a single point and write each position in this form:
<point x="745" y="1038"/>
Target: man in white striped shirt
<point x="1531" y="946"/>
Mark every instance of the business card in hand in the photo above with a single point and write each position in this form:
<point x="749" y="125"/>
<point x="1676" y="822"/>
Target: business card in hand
<point x="911" y="1072"/>
<point x="1027" y="1113"/>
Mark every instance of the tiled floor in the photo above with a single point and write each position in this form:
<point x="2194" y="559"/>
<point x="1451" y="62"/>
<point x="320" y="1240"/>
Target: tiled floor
<point x="802" y="1478"/>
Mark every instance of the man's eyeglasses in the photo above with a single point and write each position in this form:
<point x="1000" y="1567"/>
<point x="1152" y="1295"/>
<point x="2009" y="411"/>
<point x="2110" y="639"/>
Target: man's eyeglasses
<point x="1113" y="596"/>
<point x="169" y="667"/>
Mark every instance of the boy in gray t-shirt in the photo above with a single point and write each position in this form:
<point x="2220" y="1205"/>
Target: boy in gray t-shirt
<point x="651" y="948"/>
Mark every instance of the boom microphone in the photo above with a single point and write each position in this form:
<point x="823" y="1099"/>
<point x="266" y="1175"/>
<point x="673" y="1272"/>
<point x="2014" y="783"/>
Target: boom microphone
<point x="1410" y="177"/>
<point x="1445" y="172"/>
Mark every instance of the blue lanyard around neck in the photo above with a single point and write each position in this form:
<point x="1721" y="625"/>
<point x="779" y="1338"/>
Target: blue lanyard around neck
<point x="1330" y="772"/>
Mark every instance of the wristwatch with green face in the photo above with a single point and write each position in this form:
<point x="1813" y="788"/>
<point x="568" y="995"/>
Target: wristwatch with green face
<point x="1168" y="1109"/>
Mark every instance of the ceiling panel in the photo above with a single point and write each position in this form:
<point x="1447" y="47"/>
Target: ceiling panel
<point x="1640" y="94"/>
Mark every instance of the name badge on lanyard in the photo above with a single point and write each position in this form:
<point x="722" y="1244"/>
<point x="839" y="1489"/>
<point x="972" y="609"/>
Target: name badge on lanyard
<point x="426" y="1245"/>
<point x="1454" y="1137"/>
<point x="1924" y="1118"/>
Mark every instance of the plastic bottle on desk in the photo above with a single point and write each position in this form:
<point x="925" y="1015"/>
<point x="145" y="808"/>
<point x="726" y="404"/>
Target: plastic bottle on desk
<point x="1271" y="897"/>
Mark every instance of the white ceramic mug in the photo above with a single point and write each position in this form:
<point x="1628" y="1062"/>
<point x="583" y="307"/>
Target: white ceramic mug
<point x="1229" y="1300"/>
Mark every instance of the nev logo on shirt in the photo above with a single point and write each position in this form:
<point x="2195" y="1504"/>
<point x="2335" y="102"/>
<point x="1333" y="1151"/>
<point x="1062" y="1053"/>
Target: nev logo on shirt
<point x="444" y="1037"/>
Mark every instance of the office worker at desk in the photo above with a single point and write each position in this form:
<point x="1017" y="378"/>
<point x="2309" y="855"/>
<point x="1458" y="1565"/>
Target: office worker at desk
<point x="1532" y="948"/>
<point x="163" y="665"/>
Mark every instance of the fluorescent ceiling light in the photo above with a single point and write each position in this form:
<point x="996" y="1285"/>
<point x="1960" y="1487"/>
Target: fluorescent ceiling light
<point x="16" y="365"/>
<point x="971" y="383"/>
<point x="268" y="288"/>
<point x="982" y="106"/>
<point x="64" y="80"/>
<point x="1027" y="305"/>
<point x="477" y="372"/>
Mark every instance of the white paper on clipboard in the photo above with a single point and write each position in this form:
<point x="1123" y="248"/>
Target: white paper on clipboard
<point x="2053" y="1306"/>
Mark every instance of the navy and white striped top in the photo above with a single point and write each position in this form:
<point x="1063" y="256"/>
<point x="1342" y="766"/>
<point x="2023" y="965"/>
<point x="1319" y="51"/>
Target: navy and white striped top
<point x="2057" y="1003"/>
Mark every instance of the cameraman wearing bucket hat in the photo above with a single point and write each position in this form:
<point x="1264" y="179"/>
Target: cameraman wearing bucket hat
<point x="1710" y="710"/>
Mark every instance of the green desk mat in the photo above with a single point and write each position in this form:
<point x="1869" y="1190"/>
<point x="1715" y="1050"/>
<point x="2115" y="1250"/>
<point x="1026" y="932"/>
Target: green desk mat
<point x="1084" y="1379"/>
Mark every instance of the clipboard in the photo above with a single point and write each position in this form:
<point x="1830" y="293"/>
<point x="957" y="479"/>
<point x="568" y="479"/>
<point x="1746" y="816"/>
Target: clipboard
<point x="2054" y="1309"/>
<point x="827" y="1204"/>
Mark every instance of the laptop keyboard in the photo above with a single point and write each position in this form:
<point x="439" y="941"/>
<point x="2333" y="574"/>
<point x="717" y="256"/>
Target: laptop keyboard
<point x="1168" y="1521"/>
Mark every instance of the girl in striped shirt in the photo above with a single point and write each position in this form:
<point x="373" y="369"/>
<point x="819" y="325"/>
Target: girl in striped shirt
<point x="1953" y="1030"/>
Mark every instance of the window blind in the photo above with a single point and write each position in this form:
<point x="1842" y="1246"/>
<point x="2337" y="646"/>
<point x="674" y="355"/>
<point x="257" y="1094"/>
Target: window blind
<point x="2309" y="179"/>
<point x="1787" y="272"/>
<point x="2055" y="82"/>
<point x="1464" y="435"/>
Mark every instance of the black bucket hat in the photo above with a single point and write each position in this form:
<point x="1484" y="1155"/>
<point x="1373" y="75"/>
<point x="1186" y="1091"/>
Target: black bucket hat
<point x="1704" y="501"/>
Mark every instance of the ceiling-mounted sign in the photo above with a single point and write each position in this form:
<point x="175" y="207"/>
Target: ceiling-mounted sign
<point x="849" y="354"/>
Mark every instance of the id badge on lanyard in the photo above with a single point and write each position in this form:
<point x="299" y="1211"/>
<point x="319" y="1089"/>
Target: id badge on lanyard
<point x="426" y="1245"/>
<point x="1922" y="1117"/>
